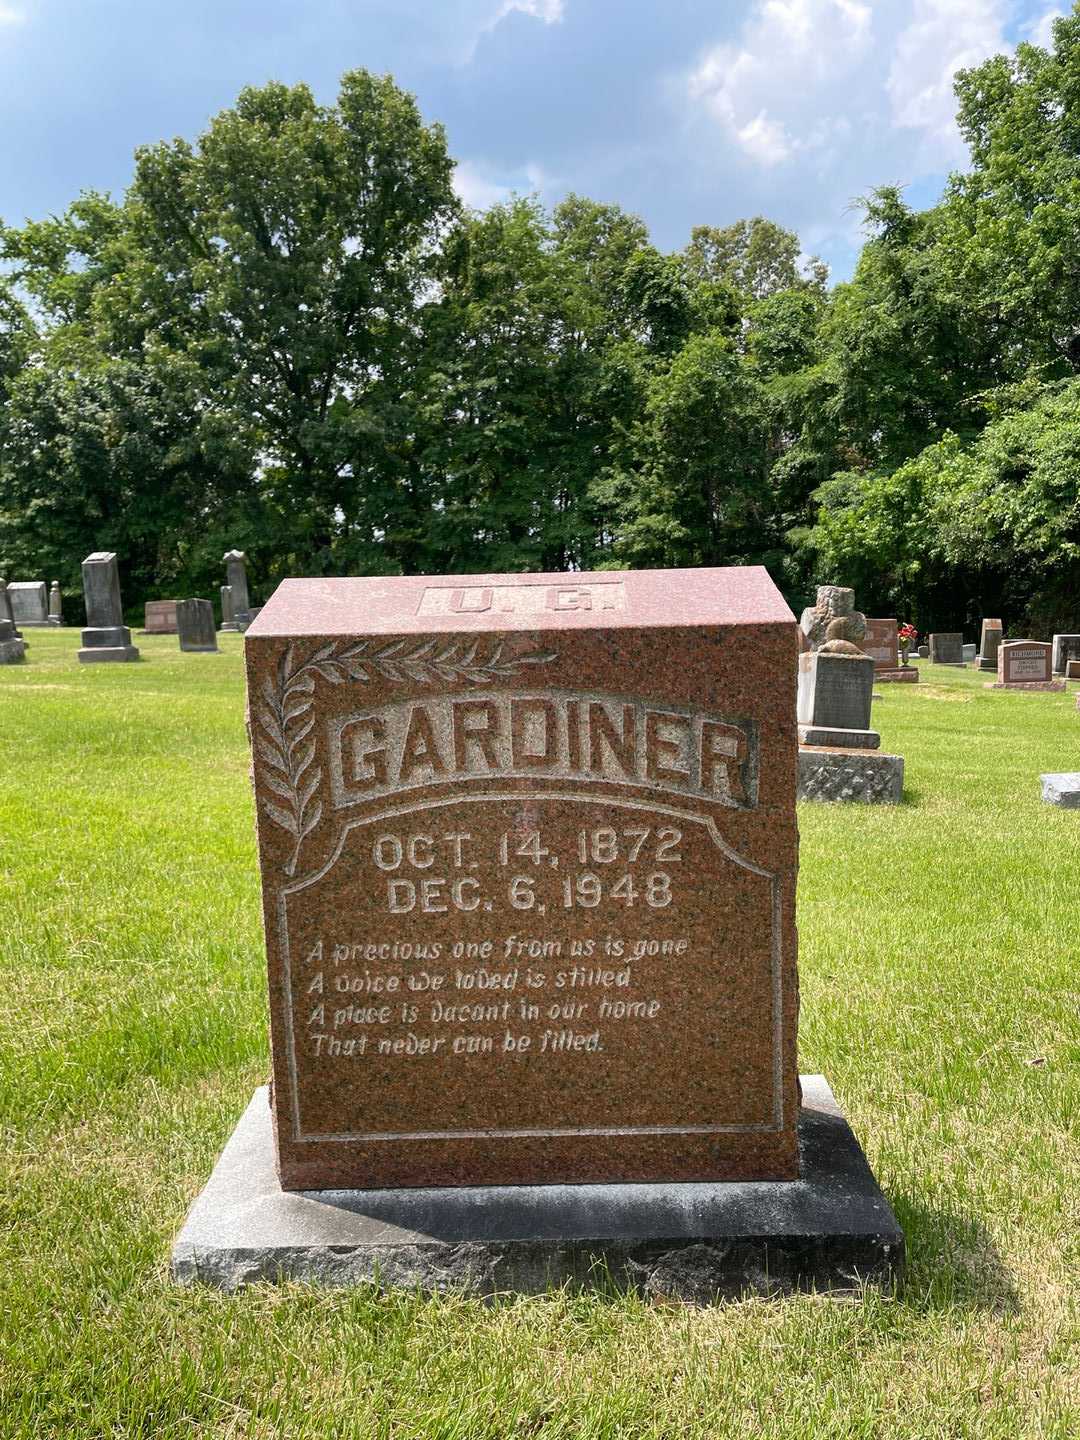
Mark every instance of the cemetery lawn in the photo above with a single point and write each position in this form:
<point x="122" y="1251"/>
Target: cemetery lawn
<point x="940" y="959"/>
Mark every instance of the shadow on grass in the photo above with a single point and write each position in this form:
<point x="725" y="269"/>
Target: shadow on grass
<point x="952" y="1263"/>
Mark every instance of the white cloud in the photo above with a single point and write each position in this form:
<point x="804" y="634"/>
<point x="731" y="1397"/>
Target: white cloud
<point x="1041" y="30"/>
<point x="479" y="187"/>
<point x="10" y="15"/>
<point x="477" y="190"/>
<point x="943" y="36"/>
<point x="550" y="11"/>
<point x="792" y="58"/>
<point x="765" y="140"/>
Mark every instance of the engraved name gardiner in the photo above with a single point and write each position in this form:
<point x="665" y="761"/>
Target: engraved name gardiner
<point x="560" y="735"/>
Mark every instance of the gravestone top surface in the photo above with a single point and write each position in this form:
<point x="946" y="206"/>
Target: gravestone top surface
<point x="380" y="605"/>
<point x="529" y="877"/>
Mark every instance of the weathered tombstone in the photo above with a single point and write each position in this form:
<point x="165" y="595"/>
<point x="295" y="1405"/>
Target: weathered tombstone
<point x="1062" y="790"/>
<point x="29" y="602"/>
<point x="1026" y="665"/>
<point x="12" y="648"/>
<point x="160" y="617"/>
<point x="924" y="652"/>
<point x="839" y="757"/>
<point x="195" y="625"/>
<point x="106" y="637"/>
<point x="832" y="617"/>
<point x="56" y="604"/>
<point x="989" y="641"/>
<point x="1072" y="670"/>
<point x="967" y="654"/>
<point x="228" y="620"/>
<point x="6" y="612"/>
<point x="528" y="851"/>
<point x="236" y="579"/>
<point x="1065" y="648"/>
<point x="883" y="646"/>
<point x="947" y="648"/>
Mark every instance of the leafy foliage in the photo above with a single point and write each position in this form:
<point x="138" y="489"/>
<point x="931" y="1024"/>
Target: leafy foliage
<point x="288" y="336"/>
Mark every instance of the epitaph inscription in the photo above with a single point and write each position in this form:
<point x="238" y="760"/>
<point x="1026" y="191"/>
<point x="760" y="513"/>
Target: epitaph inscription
<point x="528" y="896"/>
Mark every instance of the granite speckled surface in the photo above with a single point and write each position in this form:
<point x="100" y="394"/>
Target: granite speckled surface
<point x="528" y="853"/>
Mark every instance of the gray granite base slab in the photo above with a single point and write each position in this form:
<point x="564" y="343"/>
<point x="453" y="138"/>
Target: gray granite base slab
<point x="1062" y="790"/>
<point x="832" y="1230"/>
<point x="836" y="738"/>
<point x="108" y="652"/>
<point x="864" y="777"/>
<point x="12" y="652"/>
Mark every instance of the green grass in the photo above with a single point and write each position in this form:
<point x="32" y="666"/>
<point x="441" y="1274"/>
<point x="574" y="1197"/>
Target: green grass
<point x="940" y="955"/>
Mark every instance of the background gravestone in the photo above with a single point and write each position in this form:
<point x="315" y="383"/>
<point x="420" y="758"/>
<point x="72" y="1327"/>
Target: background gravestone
<point x="236" y="579"/>
<point x="106" y="637"/>
<point x="6" y="611"/>
<point x="881" y="644"/>
<point x="947" y="648"/>
<point x="228" y="620"/>
<point x="195" y="625"/>
<point x="528" y="851"/>
<point x="1026" y="664"/>
<point x="160" y="617"/>
<point x="12" y="649"/>
<point x="56" y="604"/>
<point x="989" y="641"/>
<point x="1065" y="648"/>
<point x="29" y="602"/>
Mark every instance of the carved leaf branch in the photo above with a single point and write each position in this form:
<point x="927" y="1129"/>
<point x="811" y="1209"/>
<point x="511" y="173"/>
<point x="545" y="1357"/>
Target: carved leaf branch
<point x="286" y="747"/>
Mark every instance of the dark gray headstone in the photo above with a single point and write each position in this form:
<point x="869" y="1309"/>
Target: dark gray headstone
<point x="236" y="579"/>
<point x="29" y="602"/>
<point x="1066" y="648"/>
<point x="968" y="652"/>
<point x="989" y="642"/>
<point x="12" y="649"/>
<point x="835" y="691"/>
<point x="106" y="637"/>
<point x="195" y="625"/>
<point x="947" y="647"/>
<point x="228" y="618"/>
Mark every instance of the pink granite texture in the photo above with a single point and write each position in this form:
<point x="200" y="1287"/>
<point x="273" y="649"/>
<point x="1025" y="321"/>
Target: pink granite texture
<point x="529" y="852"/>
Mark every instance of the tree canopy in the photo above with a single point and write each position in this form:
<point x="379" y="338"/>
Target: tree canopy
<point x="289" y="336"/>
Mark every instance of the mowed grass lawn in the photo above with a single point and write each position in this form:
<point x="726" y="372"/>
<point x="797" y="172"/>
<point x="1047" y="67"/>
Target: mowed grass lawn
<point x="940" y="956"/>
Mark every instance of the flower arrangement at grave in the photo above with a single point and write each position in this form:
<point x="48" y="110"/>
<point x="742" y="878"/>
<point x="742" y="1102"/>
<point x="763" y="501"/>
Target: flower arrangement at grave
<point x="906" y="636"/>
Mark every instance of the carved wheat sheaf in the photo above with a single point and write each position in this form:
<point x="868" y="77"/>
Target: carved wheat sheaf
<point x="285" y="744"/>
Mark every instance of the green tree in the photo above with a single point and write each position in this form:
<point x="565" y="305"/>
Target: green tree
<point x="757" y="257"/>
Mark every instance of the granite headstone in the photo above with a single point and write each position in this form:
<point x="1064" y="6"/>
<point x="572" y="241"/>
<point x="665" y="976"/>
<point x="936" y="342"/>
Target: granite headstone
<point x="106" y="637"/>
<point x="1065" y="648"/>
<point x="1025" y="662"/>
<point x="29" y="602"/>
<point x="881" y="644"/>
<point x="56" y="604"/>
<point x="236" y="579"/>
<point x="228" y="620"/>
<point x="989" y="641"/>
<point x="195" y="625"/>
<point x="946" y="647"/>
<point x="160" y="617"/>
<point x="528" y="852"/>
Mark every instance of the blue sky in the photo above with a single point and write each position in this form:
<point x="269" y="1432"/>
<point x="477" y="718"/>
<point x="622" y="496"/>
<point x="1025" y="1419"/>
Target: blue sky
<point x="683" y="111"/>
